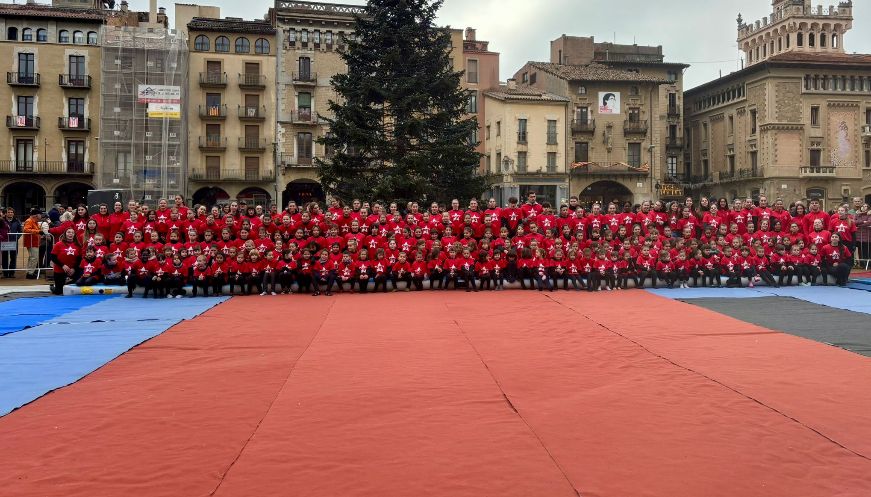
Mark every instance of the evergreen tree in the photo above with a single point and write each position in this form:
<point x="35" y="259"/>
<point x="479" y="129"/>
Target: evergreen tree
<point x="399" y="128"/>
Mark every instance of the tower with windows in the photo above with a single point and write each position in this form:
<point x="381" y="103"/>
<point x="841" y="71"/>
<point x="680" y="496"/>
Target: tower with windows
<point x="795" y="26"/>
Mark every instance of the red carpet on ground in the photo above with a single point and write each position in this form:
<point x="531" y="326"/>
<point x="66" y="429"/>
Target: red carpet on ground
<point x="450" y="394"/>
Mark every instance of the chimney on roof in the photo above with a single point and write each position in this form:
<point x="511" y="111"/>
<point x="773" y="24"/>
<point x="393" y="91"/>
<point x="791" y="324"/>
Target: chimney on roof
<point x="512" y="84"/>
<point x="124" y="5"/>
<point x="152" y="11"/>
<point x="470" y="34"/>
<point x="161" y="11"/>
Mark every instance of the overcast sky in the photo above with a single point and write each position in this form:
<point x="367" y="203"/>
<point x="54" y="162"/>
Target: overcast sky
<point x="701" y="33"/>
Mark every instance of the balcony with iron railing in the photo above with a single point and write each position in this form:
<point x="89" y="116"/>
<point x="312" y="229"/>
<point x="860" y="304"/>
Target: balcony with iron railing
<point x="213" y="143"/>
<point x="673" y="111"/>
<point x="72" y="167"/>
<point x="301" y="160"/>
<point x="304" y="116"/>
<point x="230" y="175"/>
<point x="609" y="170"/>
<point x="22" y="78"/>
<point x="631" y="126"/>
<point x="74" y="123"/>
<point x="583" y="126"/>
<point x="30" y="123"/>
<point x="304" y="78"/>
<point x="739" y="175"/>
<point x="74" y="81"/>
<point x="213" y="80"/>
<point x="248" y="81"/>
<point x="522" y="137"/>
<point x="252" y="113"/>
<point x="213" y="112"/>
<point x="816" y="172"/>
<point x="252" y="144"/>
<point x="674" y="142"/>
<point x="552" y="139"/>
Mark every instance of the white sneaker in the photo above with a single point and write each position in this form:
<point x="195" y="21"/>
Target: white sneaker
<point x="178" y="296"/>
<point x="273" y="293"/>
<point x="262" y="294"/>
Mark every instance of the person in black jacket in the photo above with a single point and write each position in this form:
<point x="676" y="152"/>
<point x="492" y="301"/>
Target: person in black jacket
<point x="9" y="224"/>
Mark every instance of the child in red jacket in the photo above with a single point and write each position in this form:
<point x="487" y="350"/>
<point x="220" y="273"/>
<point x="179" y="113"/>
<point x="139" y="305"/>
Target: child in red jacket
<point x="201" y="276"/>
<point x="89" y="268"/>
<point x="324" y="273"/>
<point x="401" y="271"/>
<point x="483" y="270"/>
<point x="665" y="269"/>
<point x="236" y="273"/>
<point x="418" y="270"/>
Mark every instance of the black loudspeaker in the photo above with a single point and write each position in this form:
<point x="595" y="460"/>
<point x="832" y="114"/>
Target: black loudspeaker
<point x="108" y="197"/>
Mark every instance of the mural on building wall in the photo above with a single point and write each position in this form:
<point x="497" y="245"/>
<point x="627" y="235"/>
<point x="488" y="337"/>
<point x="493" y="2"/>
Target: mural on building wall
<point x="609" y="102"/>
<point x="842" y="125"/>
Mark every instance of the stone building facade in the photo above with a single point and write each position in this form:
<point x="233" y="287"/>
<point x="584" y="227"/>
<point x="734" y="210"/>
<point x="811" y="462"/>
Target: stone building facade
<point x="309" y="38"/>
<point x="524" y="142"/>
<point x="231" y="111"/>
<point x="625" y="116"/>
<point x="48" y="149"/>
<point x="795" y="124"/>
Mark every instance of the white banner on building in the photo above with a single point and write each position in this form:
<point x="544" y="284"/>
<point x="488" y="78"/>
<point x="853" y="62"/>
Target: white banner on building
<point x="164" y="111"/>
<point x="159" y="94"/>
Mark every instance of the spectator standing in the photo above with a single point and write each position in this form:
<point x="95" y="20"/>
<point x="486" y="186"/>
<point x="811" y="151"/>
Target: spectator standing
<point x="10" y="224"/>
<point x="32" y="236"/>
<point x="863" y="232"/>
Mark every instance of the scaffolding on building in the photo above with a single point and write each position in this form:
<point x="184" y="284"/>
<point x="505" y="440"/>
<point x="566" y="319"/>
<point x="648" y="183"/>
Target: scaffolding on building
<point x="143" y="126"/>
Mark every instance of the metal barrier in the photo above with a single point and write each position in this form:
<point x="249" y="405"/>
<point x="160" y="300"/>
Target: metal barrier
<point x="15" y="257"/>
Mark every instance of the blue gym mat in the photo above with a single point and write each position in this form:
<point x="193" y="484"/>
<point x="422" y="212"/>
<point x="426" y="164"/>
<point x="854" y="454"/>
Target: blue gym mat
<point x="70" y="346"/>
<point x="20" y="314"/>
<point x="830" y="296"/>
<point x="702" y="293"/>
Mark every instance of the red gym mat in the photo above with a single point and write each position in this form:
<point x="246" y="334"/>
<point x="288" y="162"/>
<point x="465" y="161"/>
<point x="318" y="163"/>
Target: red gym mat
<point x="450" y="394"/>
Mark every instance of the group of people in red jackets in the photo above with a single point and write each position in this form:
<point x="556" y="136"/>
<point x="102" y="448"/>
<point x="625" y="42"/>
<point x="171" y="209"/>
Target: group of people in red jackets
<point x="370" y="247"/>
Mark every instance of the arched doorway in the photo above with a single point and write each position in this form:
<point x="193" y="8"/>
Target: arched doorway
<point x="210" y="196"/>
<point x="605" y="191"/>
<point x="22" y="197"/>
<point x="71" y="194"/>
<point x="254" y="196"/>
<point x="303" y="191"/>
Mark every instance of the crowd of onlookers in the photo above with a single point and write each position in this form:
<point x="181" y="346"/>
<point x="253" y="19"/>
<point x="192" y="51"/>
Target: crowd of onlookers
<point x="363" y="247"/>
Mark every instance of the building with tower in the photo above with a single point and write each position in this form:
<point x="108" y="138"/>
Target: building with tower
<point x="795" y="122"/>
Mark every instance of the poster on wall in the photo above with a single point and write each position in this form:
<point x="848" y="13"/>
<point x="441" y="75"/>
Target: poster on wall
<point x="158" y="94"/>
<point x="609" y="102"/>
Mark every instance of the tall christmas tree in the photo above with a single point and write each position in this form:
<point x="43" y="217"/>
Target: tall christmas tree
<point x="399" y="129"/>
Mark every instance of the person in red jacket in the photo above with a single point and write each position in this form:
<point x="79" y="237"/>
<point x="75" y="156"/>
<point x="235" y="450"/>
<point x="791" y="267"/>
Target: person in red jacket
<point x="665" y="269"/>
<point x="201" y="278"/>
<point x="133" y="266"/>
<point x="418" y="270"/>
<point x="113" y="270"/>
<point x="812" y="215"/>
<point x="65" y="260"/>
<point x="812" y="262"/>
<point x="346" y="272"/>
<point x="89" y="268"/>
<point x="254" y="271"/>
<point x="176" y="275"/>
<point x="836" y="261"/>
<point x="236" y="272"/>
<point x="324" y="273"/>
<point x="401" y="271"/>
<point x="779" y="265"/>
